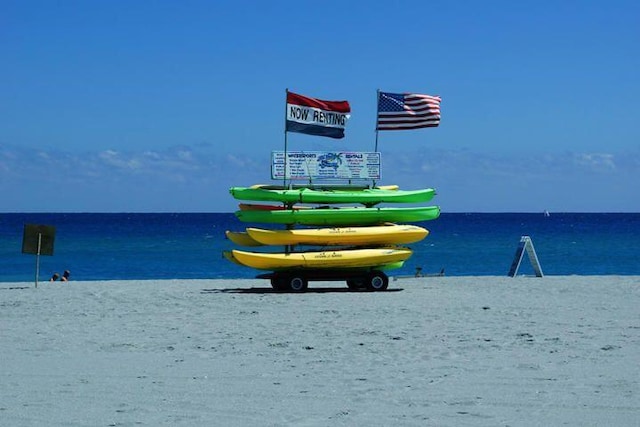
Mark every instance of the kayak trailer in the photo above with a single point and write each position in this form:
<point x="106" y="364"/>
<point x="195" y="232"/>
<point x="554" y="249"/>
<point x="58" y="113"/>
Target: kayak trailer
<point x="297" y="280"/>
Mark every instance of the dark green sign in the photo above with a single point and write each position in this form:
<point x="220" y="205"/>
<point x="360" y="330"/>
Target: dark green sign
<point x="38" y="239"/>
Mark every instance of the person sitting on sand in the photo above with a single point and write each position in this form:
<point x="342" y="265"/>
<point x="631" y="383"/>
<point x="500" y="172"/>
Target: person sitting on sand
<point x="55" y="277"/>
<point x="65" y="276"/>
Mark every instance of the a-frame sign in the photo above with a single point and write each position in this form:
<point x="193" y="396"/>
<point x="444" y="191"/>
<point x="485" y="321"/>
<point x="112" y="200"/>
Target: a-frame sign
<point x="525" y="245"/>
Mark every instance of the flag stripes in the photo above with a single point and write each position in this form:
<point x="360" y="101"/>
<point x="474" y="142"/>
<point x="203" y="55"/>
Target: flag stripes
<point x="407" y="111"/>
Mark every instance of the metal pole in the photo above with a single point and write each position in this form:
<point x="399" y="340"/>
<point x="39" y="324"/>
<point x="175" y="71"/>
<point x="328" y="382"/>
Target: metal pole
<point x="38" y="258"/>
<point x="377" y="113"/>
<point x="284" y="182"/>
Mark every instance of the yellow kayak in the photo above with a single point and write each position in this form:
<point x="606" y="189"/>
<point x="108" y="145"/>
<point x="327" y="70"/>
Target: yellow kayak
<point x="242" y="238"/>
<point x="391" y="234"/>
<point x="348" y="258"/>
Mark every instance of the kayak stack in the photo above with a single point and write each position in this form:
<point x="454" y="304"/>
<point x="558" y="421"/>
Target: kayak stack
<point x="321" y="239"/>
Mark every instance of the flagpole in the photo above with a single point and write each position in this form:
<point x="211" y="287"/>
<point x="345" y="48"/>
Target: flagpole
<point x="377" y="112"/>
<point x="284" y="172"/>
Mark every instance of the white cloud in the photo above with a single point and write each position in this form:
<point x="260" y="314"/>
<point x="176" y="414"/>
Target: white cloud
<point x="194" y="178"/>
<point x="114" y="159"/>
<point x="596" y="161"/>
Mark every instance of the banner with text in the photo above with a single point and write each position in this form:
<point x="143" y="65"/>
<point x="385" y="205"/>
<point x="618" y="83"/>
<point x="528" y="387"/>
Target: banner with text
<point x="325" y="165"/>
<point x="315" y="116"/>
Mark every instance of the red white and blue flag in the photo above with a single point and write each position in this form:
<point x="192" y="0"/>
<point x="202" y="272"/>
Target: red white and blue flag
<point x="315" y="116"/>
<point x="402" y="111"/>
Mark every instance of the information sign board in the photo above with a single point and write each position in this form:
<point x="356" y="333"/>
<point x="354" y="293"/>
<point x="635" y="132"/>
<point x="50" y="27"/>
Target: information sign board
<point x="325" y="165"/>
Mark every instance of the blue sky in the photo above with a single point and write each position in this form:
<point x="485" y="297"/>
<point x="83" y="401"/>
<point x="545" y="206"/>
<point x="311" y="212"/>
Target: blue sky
<point x="119" y="106"/>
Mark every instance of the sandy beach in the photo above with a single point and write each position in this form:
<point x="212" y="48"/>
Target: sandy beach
<point x="441" y="351"/>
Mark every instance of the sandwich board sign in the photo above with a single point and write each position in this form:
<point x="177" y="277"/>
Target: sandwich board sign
<point x="526" y="245"/>
<point x="38" y="240"/>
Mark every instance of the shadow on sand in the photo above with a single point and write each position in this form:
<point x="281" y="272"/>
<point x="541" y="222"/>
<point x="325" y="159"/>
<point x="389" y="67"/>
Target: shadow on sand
<point x="308" y="291"/>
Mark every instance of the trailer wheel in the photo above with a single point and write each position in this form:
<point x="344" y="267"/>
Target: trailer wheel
<point x="355" y="283"/>
<point x="297" y="284"/>
<point x="377" y="281"/>
<point x="278" y="284"/>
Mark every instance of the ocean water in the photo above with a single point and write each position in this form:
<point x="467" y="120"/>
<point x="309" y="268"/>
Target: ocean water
<point x="189" y="245"/>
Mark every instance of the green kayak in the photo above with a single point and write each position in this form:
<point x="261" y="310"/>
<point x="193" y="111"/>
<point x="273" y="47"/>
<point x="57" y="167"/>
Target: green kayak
<point x="365" y="196"/>
<point x="340" y="216"/>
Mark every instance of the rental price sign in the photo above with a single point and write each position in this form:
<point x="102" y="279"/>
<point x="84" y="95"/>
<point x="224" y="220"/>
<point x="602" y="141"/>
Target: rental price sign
<point x="325" y="165"/>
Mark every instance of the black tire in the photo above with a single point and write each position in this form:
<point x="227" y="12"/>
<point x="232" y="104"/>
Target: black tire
<point x="278" y="284"/>
<point x="297" y="284"/>
<point x="377" y="281"/>
<point x="355" y="283"/>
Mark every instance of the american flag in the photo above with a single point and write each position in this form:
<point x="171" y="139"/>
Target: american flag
<point x="401" y="111"/>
